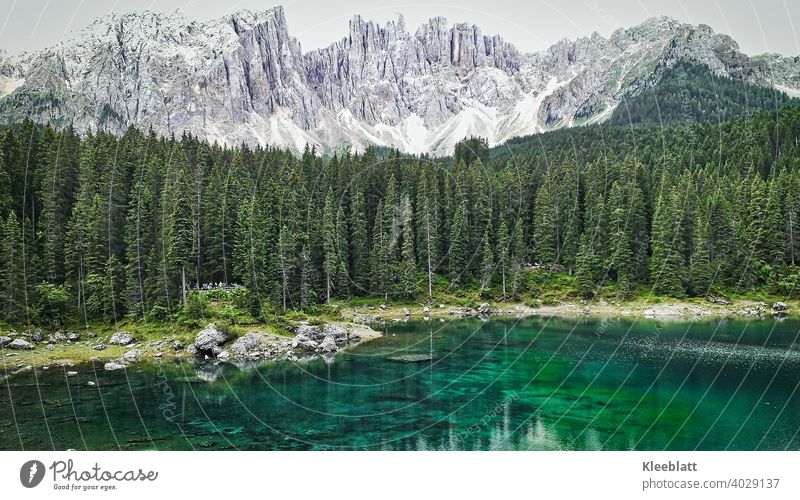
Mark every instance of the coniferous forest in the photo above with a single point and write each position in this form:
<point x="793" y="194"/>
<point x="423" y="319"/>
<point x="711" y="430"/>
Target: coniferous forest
<point x="102" y="227"/>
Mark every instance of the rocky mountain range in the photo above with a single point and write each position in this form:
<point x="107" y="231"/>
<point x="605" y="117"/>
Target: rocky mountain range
<point x="243" y="78"/>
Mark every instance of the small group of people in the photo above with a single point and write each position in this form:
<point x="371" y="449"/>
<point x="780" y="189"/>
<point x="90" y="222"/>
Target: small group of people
<point x="217" y="286"/>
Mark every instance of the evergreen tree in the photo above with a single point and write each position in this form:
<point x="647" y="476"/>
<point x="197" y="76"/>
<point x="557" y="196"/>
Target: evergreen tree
<point x="428" y="228"/>
<point x="342" y="253"/>
<point x="459" y="241"/>
<point x="407" y="286"/>
<point x="487" y="262"/>
<point x="545" y="228"/>
<point x="12" y="276"/>
<point x="359" y="249"/>
<point x="584" y="271"/>
<point x="517" y="257"/>
<point x="666" y="262"/>
<point x="700" y="271"/>
<point x="331" y="258"/>
<point x="286" y="264"/>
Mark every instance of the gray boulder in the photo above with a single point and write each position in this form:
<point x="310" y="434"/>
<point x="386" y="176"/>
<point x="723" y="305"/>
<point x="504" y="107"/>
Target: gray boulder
<point x="112" y="365"/>
<point x="310" y="331"/>
<point x="132" y="356"/>
<point x="4" y="341"/>
<point x="338" y="332"/>
<point x="121" y="338"/>
<point x="56" y="338"/>
<point x="779" y="307"/>
<point x="20" y="345"/>
<point x="328" y="344"/>
<point x="245" y="345"/>
<point x="715" y="299"/>
<point x="302" y="342"/>
<point x="37" y="336"/>
<point x="73" y="336"/>
<point x="177" y="345"/>
<point x="191" y="349"/>
<point x="100" y="347"/>
<point x="484" y="309"/>
<point x="210" y="337"/>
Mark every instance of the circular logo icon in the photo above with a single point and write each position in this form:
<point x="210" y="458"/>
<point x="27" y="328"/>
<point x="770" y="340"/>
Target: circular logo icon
<point x="31" y="473"/>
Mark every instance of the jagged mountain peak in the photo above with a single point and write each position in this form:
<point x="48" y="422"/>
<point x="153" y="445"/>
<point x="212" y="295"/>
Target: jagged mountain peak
<point x="242" y="77"/>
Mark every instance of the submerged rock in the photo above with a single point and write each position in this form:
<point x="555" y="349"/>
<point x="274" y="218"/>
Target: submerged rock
<point x="111" y="366"/>
<point x="121" y="338"/>
<point x="410" y="358"/>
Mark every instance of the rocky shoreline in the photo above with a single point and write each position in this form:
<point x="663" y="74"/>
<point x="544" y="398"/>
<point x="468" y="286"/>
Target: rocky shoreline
<point x="121" y="349"/>
<point x="676" y="309"/>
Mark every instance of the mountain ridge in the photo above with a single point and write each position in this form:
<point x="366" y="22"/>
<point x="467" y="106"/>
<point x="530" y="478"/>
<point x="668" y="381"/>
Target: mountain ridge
<point x="243" y="78"/>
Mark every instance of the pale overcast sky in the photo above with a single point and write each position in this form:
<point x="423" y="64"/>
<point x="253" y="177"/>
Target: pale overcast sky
<point x="758" y="26"/>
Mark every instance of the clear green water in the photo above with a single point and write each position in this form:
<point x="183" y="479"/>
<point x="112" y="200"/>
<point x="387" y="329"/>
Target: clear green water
<point x="505" y="384"/>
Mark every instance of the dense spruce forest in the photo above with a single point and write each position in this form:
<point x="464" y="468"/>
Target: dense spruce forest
<point x="100" y="227"/>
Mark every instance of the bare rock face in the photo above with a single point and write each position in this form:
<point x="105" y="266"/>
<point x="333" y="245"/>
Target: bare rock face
<point x="243" y="78"/>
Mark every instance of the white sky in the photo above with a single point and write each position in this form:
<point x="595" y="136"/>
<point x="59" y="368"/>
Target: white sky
<point x="531" y="25"/>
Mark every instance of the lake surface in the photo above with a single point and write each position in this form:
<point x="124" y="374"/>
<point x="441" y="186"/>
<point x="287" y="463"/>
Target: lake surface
<point x="505" y="384"/>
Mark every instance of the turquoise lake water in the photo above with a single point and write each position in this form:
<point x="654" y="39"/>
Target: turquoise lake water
<point x="504" y="384"/>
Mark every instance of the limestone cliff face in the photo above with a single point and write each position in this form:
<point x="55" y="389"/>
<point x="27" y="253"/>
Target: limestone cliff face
<point x="243" y="78"/>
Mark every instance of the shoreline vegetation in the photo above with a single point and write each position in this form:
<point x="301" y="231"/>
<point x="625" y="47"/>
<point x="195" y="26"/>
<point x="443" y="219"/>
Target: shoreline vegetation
<point x="161" y="239"/>
<point x="304" y="339"/>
